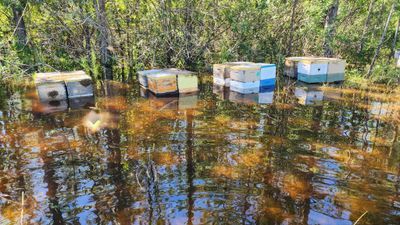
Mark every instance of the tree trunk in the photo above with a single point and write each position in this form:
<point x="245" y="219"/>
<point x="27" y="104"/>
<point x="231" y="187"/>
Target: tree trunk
<point x="378" y="49"/>
<point x="330" y="28"/>
<point x="290" y="44"/>
<point x="366" y="26"/>
<point x="396" y="34"/>
<point x="104" y="39"/>
<point x="20" y="28"/>
<point x="189" y="34"/>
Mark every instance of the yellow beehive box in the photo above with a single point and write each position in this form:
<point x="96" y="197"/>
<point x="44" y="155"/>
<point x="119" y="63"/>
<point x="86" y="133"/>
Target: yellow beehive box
<point x="187" y="81"/>
<point x="163" y="83"/>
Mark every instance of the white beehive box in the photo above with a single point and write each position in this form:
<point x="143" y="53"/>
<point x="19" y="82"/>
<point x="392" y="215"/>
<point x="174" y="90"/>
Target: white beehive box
<point x="78" y="84"/>
<point x="187" y="81"/>
<point x="245" y="88"/>
<point x="245" y="73"/>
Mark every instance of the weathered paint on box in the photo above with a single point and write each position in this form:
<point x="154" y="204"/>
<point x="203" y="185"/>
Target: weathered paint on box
<point x="79" y="86"/>
<point x="245" y="88"/>
<point x="336" y="66"/>
<point x="187" y="83"/>
<point x="162" y="83"/>
<point x="246" y="73"/>
<point x="143" y="76"/>
<point x="320" y="78"/>
<point x="249" y="99"/>
<point x="335" y="77"/>
<point x="311" y="68"/>
<point x="222" y="71"/>
<point x="52" y="91"/>
<point x="222" y="82"/>
<point x="268" y="71"/>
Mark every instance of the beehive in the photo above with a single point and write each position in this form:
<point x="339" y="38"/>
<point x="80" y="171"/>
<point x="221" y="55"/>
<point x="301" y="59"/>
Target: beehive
<point x="78" y="85"/>
<point x="267" y="74"/>
<point x="59" y="86"/>
<point x="163" y="83"/>
<point x="245" y="87"/>
<point x="320" y="70"/>
<point x="143" y="76"/>
<point x="291" y="65"/>
<point x="245" y="73"/>
<point x="221" y="72"/>
<point x="187" y="81"/>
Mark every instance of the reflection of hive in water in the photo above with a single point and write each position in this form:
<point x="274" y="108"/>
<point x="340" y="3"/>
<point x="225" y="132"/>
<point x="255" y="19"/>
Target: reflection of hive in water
<point x="55" y="103"/>
<point x="96" y="121"/>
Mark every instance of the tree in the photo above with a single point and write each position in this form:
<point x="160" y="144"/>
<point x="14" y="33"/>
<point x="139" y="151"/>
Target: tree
<point x="330" y="28"/>
<point x="378" y="49"/>
<point x="104" y="38"/>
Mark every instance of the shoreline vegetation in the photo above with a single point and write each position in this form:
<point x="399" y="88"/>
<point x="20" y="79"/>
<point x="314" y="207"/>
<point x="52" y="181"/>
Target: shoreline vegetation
<point x="115" y="39"/>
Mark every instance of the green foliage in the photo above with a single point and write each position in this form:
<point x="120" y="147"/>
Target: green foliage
<point x="65" y="34"/>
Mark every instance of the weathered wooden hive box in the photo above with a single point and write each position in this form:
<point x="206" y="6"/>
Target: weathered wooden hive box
<point x="143" y="76"/>
<point x="78" y="84"/>
<point x="187" y="81"/>
<point x="221" y="72"/>
<point x="291" y="64"/>
<point x="245" y="73"/>
<point x="49" y="87"/>
<point x="163" y="83"/>
<point x="63" y="85"/>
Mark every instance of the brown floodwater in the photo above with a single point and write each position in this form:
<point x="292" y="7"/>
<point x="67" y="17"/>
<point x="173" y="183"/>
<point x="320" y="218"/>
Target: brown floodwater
<point x="298" y="154"/>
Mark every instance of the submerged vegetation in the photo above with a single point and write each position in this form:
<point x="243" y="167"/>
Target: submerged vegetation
<point x="112" y="39"/>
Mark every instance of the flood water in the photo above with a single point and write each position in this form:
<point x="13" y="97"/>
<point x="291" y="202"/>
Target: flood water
<point x="307" y="155"/>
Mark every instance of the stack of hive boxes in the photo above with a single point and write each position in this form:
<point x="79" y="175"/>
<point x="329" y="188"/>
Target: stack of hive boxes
<point x="221" y="72"/>
<point x="252" y="78"/>
<point x="320" y="70"/>
<point x="57" y="90"/>
<point x="168" y="81"/>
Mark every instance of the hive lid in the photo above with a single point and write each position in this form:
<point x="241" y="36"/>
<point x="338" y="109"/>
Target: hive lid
<point x="60" y="76"/>
<point x="246" y="67"/>
<point x="147" y="72"/>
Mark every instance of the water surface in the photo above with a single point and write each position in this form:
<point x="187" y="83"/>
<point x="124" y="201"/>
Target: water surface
<point x="307" y="155"/>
